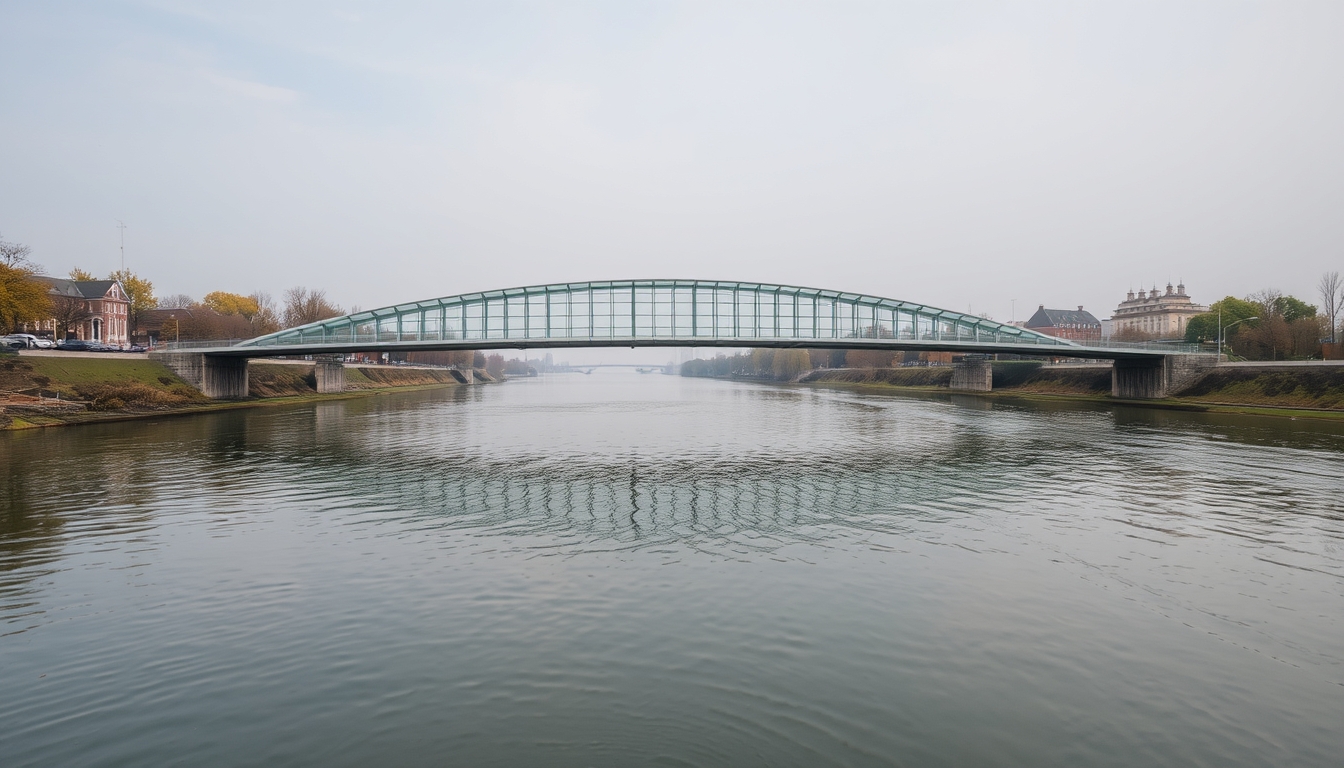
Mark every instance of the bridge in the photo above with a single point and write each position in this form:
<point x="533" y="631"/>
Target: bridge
<point x="670" y="313"/>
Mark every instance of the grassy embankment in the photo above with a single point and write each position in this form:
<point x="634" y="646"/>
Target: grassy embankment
<point x="1317" y="392"/>
<point x="1019" y="376"/>
<point x="44" y="391"/>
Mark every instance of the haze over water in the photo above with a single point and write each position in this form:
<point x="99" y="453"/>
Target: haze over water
<point x="624" y="569"/>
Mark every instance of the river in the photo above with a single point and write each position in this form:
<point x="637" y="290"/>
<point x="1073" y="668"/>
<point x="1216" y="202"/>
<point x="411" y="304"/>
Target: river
<point x="624" y="569"/>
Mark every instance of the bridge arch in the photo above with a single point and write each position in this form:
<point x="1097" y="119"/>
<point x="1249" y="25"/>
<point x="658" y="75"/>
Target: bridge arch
<point x="656" y="313"/>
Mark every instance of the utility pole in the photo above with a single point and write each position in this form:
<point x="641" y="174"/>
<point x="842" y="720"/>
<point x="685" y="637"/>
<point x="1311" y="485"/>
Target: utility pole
<point x="122" y="226"/>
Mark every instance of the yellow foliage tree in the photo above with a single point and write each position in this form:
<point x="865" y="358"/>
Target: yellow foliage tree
<point x="81" y="275"/>
<point x="231" y="304"/>
<point x="22" y="299"/>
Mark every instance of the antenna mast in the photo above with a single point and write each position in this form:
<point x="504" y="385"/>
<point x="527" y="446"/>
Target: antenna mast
<point x="122" y="226"/>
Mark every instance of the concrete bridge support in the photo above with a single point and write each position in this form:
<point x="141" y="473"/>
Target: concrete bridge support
<point x="218" y="377"/>
<point x="1158" y="377"/>
<point x="330" y="376"/>
<point x="972" y="375"/>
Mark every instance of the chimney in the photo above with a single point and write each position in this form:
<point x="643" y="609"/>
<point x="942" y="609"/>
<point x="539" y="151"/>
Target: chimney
<point x="1080" y="307"/>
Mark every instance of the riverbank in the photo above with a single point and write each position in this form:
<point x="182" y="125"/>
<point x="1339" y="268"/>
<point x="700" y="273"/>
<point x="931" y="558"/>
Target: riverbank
<point x="43" y="391"/>
<point x="1316" y="393"/>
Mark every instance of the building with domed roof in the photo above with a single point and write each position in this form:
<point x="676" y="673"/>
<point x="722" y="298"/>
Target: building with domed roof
<point x="1154" y="314"/>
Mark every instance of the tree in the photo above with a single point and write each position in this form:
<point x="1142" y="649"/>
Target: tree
<point x="80" y="275"/>
<point x="789" y="363"/>
<point x="231" y="304"/>
<point x="68" y="312"/>
<point x="303" y="306"/>
<point x="494" y="365"/>
<point x="1205" y="327"/>
<point x="176" y="301"/>
<point x="1331" y="296"/>
<point x="15" y="256"/>
<point x="139" y="291"/>
<point x="267" y="319"/>
<point x="22" y="299"/>
<point x="762" y="361"/>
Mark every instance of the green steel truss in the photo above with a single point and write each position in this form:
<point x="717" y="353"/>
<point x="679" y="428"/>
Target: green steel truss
<point x="654" y="313"/>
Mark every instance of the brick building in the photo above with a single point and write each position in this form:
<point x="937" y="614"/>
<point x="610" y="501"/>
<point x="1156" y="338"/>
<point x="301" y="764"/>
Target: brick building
<point x="1075" y="325"/>
<point x="93" y="310"/>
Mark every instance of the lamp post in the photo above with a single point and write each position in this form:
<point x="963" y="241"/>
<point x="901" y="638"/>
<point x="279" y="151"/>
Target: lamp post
<point x="1222" y="328"/>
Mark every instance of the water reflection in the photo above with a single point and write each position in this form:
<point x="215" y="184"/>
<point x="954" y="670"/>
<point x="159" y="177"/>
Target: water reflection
<point x="760" y="554"/>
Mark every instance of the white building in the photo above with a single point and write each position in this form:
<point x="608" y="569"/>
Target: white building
<point x="1154" y="314"/>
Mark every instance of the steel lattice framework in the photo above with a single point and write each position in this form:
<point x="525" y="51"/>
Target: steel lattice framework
<point x="655" y="313"/>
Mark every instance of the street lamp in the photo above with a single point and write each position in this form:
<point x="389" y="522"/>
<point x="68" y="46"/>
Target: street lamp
<point x="1222" y="328"/>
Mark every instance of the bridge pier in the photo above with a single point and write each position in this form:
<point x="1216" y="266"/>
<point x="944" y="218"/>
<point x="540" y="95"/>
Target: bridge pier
<point x="330" y="376"/>
<point x="1157" y="377"/>
<point x="972" y="374"/>
<point x="218" y="377"/>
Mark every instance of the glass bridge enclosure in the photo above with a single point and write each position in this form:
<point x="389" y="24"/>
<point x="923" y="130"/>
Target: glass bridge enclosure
<point x="655" y="310"/>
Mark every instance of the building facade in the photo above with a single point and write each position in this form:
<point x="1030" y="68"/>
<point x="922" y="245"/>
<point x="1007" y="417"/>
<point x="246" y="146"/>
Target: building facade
<point x="93" y="310"/>
<point x="1154" y="314"/>
<point x="1075" y="325"/>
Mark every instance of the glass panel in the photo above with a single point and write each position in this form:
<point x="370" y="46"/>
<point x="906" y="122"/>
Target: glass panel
<point x="580" y="324"/>
<point x="494" y="319"/>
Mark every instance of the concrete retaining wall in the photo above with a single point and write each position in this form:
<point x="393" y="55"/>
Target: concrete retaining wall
<point x="973" y="376"/>
<point x="219" y="378"/>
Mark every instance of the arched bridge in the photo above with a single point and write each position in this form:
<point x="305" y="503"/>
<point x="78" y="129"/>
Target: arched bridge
<point x="655" y="313"/>
<point x="664" y="313"/>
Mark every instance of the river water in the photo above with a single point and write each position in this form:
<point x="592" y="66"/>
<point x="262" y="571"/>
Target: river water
<point x="621" y="570"/>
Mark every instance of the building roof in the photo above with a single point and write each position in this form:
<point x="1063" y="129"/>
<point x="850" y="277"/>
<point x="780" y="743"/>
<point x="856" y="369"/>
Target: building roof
<point x="80" y="289"/>
<point x="1062" y="318"/>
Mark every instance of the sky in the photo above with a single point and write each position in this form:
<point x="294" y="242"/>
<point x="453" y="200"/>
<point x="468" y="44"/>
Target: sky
<point x="987" y="157"/>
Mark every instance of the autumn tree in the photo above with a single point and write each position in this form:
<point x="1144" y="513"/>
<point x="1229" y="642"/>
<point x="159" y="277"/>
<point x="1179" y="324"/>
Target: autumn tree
<point x="80" y="275"/>
<point x="22" y="298"/>
<point x="140" y="293"/>
<point x="303" y="306"/>
<point x="790" y="363"/>
<point x="231" y="304"/>
<point x="762" y="361"/>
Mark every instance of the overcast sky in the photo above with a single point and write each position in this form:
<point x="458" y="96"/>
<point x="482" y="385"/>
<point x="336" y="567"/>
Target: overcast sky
<point x="959" y="155"/>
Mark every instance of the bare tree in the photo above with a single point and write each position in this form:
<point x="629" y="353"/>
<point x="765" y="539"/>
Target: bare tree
<point x="304" y="306"/>
<point x="176" y="301"/>
<point x="1331" y="296"/>
<point x="267" y="319"/>
<point x="16" y="255"/>
<point x="68" y="312"/>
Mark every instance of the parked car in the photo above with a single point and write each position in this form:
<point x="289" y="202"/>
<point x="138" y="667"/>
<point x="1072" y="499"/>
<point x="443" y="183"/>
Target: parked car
<point x="13" y="342"/>
<point x="77" y="345"/>
<point x="134" y="348"/>
<point x="29" y="341"/>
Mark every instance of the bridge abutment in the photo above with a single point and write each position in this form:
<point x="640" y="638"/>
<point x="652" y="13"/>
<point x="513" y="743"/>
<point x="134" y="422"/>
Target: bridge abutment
<point x="330" y="376"/>
<point x="218" y="377"/>
<point x="1158" y="377"/>
<point x="972" y="375"/>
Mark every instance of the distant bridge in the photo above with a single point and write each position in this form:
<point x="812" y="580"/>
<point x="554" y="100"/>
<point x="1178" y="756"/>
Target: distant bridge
<point x="667" y="313"/>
